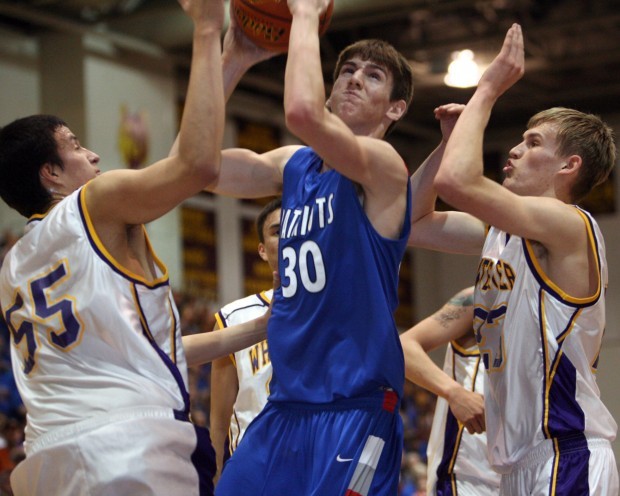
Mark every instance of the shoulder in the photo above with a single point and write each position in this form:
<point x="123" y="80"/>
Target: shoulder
<point x="463" y="298"/>
<point x="281" y="156"/>
<point x="243" y="305"/>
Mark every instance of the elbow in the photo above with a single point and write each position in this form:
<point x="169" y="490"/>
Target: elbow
<point x="449" y="187"/>
<point x="204" y="171"/>
<point x="301" y="118"/>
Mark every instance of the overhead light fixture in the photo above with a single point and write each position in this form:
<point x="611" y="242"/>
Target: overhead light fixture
<point x="463" y="71"/>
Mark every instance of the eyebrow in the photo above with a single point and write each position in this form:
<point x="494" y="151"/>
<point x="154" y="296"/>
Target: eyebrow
<point x="532" y="134"/>
<point x="371" y="65"/>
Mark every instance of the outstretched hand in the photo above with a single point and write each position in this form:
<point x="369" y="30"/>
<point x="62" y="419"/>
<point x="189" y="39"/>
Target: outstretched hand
<point x="205" y="11"/>
<point x="236" y="44"/>
<point x="447" y="115"/>
<point x="320" y="5"/>
<point x="507" y="67"/>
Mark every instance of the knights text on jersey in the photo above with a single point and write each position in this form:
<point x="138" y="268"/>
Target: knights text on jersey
<point x="332" y="332"/>
<point x="540" y="347"/>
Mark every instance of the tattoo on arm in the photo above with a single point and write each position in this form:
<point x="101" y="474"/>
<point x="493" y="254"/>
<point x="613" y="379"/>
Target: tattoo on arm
<point x="455" y="308"/>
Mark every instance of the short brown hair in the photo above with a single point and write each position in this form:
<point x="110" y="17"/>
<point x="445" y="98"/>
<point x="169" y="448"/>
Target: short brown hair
<point x="585" y="135"/>
<point x="384" y="54"/>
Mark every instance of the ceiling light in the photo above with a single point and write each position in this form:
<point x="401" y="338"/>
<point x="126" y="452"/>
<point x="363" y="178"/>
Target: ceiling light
<point x="463" y="71"/>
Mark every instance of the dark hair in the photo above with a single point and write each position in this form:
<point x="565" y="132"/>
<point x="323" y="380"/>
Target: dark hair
<point x="384" y="54"/>
<point x="25" y="145"/>
<point x="585" y="135"/>
<point x="272" y="206"/>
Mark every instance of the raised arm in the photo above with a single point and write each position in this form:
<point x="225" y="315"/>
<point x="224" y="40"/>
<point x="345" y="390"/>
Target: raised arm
<point x="528" y="210"/>
<point x="453" y="322"/>
<point x="454" y="232"/>
<point x="136" y="197"/>
<point x="239" y="54"/>
<point x="352" y="148"/>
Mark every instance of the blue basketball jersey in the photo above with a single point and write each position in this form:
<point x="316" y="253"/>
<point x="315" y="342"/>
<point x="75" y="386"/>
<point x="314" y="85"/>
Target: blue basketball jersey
<point x="332" y="333"/>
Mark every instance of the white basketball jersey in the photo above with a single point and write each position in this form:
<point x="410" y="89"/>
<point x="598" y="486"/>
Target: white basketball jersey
<point x="88" y="336"/>
<point x="452" y="451"/>
<point x="540" y="347"/>
<point x="253" y="365"/>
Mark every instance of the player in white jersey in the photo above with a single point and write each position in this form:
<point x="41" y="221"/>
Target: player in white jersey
<point x="240" y="382"/>
<point x="96" y="346"/>
<point x="540" y="288"/>
<point x="457" y="448"/>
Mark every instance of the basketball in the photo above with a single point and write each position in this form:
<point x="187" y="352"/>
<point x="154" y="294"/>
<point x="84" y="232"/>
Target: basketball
<point x="268" y="22"/>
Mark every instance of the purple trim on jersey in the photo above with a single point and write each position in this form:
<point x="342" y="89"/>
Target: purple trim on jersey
<point x="567" y="329"/>
<point x="261" y="298"/>
<point x="549" y="289"/>
<point x="174" y="370"/>
<point x="224" y="318"/>
<point x="542" y="283"/>
<point x="572" y="468"/>
<point x="565" y="418"/>
<point x="102" y="256"/>
<point x="203" y="459"/>
<point x="452" y="440"/>
<point x="446" y="486"/>
<point x="596" y="243"/>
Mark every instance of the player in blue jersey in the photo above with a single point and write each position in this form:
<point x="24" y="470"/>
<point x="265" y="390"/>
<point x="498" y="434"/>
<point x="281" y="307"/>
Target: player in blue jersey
<point x="96" y="344"/>
<point x="331" y="425"/>
<point x="539" y="298"/>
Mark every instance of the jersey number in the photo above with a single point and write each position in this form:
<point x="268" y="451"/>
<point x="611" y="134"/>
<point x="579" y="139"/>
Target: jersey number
<point x="490" y="338"/>
<point x="45" y="309"/>
<point x="298" y="269"/>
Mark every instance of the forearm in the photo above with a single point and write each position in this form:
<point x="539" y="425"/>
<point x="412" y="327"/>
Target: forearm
<point x="421" y="370"/>
<point x="423" y="192"/>
<point x="202" y="126"/>
<point x="233" y="69"/>
<point x="463" y="156"/>
<point x="206" y="347"/>
<point x="304" y="91"/>
<point x="224" y="389"/>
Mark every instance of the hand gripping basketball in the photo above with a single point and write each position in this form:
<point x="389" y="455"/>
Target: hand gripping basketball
<point x="268" y="22"/>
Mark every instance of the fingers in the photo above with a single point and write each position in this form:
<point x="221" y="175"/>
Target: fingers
<point x="448" y="110"/>
<point x="475" y="426"/>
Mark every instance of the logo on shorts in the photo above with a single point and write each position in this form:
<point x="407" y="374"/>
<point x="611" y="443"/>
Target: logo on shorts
<point x="340" y="459"/>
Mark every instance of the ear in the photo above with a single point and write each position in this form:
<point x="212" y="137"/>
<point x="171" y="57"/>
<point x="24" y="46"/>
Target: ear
<point x="48" y="173"/>
<point x="328" y="104"/>
<point x="397" y="110"/>
<point x="262" y="252"/>
<point x="572" y="165"/>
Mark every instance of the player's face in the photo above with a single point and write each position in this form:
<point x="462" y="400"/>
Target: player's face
<point x="80" y="164"/>
<point x="533" y="163"/>
<point x="361" y="94"/>
<point x="271" y="233"/>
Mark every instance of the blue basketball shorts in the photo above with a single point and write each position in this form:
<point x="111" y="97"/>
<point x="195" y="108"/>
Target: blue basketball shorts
<point x="350" y="447"/>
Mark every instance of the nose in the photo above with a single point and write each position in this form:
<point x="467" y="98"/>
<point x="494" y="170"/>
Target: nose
<point x="515" y="152"/>
<point x="93" y="157"/>
<point x="356" y="78"/>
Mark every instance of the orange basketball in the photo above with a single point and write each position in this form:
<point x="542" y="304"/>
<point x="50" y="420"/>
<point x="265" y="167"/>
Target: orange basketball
<point x="268" y="22"/>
